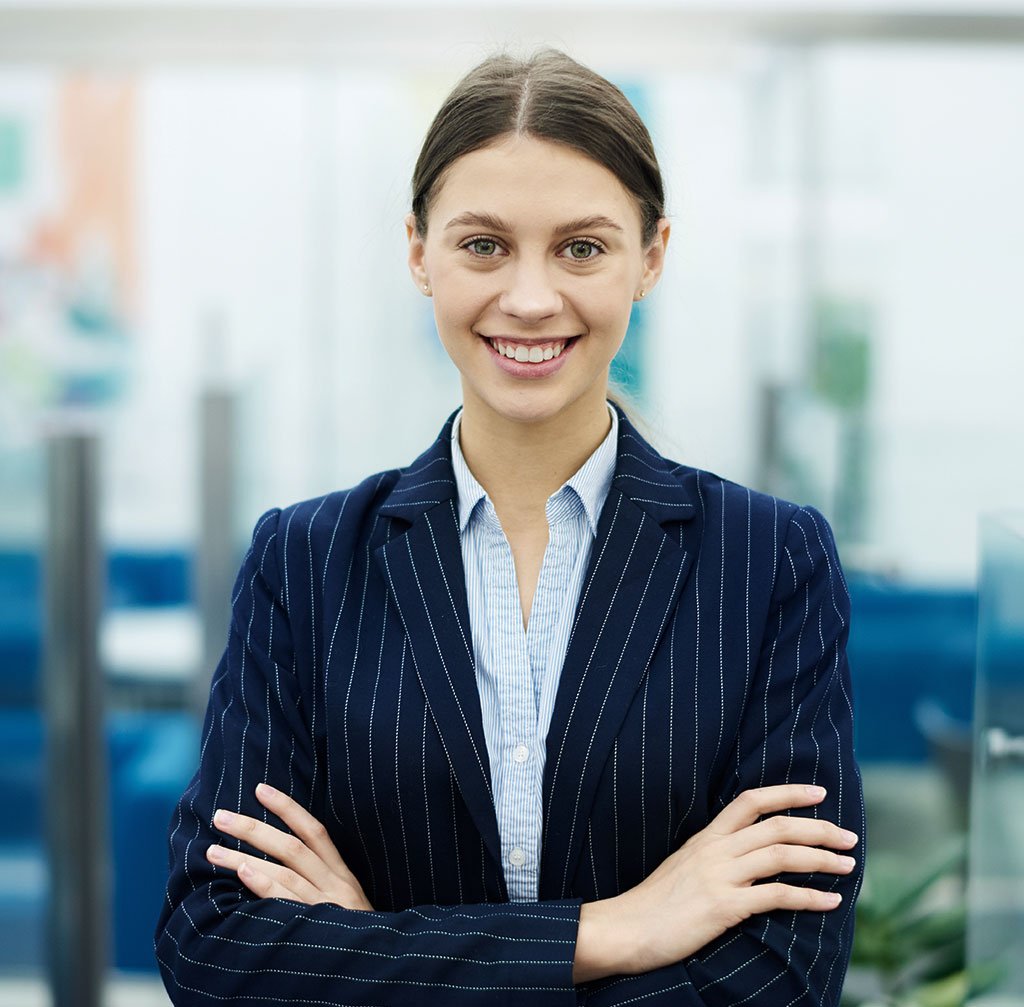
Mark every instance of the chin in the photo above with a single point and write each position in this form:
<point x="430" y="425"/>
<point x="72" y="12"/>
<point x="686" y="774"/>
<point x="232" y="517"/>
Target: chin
<point x="532" y="405"/>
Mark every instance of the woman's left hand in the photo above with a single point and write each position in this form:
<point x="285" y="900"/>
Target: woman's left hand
<point x="310" y="868"/>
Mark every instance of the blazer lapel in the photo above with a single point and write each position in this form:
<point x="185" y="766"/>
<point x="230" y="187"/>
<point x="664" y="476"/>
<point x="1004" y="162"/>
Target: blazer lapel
<point x="423" y="571"/>
<point x="637" y="569"/>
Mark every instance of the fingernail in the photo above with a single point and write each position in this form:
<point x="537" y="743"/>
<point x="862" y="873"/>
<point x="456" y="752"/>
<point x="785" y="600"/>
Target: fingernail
<point x="850" y="837"/>
<point x="816" y="791"/>
<point x="265" y="790"/>
<point x="834" y="897"/>
<point x="848" y="862"/>
<point x="215" y="852"/>
<point x="223" y="818"/>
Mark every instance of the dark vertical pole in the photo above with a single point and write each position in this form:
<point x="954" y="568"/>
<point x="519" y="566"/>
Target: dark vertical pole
<point x="217" y="560"/>
<point x="76" y="792"/>
<point x="770" y="477"/>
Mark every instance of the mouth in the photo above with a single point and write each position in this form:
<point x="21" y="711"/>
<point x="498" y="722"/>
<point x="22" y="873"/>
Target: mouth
<point x="529" y="351"/>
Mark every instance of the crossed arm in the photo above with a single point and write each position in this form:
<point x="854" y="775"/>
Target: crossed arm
<point x="694" y="896"/>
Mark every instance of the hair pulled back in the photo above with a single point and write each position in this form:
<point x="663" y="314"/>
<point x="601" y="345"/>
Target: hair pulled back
<point x="548" y="96"/>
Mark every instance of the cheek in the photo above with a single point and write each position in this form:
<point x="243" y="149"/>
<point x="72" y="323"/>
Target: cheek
<point x="452" y="312"/>
<point x="459" y="303"/>
<point x="609" y="308"/>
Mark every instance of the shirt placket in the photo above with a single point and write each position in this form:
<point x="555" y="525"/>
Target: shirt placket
<point x="517" y="814"/>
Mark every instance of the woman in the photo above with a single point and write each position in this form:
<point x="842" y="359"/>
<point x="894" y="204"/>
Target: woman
<point x="548" y="716"/>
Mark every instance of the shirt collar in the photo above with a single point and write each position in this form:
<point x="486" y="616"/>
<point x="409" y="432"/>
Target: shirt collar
<point x="590" y="482"/>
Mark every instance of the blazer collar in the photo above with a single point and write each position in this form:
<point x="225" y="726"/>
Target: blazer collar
<point x="660" y="488"/>
<point x="427" y="482"/>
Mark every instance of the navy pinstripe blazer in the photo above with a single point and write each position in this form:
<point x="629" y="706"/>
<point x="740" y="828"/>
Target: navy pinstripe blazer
<point x="707" y="656"/>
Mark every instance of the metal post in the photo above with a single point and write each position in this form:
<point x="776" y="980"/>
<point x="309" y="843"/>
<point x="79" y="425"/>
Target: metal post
<point x="76" y="792"/>
<point x="217" y="560"/>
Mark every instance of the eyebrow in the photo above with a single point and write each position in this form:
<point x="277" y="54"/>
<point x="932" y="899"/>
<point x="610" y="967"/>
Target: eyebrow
<point x="490" y="222"/>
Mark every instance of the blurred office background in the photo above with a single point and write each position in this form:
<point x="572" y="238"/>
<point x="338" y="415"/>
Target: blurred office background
<point x="202" y="261"/>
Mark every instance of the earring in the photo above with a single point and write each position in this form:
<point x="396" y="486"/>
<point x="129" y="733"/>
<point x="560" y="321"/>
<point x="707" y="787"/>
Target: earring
<point x="642" y="291"/>
<point x="426" y="288"/>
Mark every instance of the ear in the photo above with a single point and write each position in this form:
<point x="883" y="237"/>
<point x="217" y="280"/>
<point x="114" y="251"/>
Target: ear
<point x="654" y="256"/>
<point x="417" y="268"/>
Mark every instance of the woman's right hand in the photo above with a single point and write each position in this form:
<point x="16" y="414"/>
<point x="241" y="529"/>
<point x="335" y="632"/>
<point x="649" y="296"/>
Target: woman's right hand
<point x="707" y="885"/>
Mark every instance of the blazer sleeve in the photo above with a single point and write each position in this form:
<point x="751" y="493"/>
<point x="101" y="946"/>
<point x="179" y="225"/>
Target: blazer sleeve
<point x="797" y="727"/>
<point x="218" y="943"/>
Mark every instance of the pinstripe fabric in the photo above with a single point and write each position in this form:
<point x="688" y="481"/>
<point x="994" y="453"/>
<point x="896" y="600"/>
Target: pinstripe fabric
<point x="516" y="669"/>
<point x="706" y="656"/>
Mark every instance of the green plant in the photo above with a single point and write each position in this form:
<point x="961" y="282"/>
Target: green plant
<point x="909" y="946"/>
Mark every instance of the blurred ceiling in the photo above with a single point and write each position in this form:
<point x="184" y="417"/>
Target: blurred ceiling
<point x="358" y="33"/>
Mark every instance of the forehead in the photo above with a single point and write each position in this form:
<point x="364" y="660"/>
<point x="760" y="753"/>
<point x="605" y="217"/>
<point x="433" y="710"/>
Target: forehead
<point x="532" y="182"/>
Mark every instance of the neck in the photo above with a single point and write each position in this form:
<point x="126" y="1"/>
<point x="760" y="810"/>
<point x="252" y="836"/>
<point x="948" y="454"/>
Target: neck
<point x="520" y="464"/>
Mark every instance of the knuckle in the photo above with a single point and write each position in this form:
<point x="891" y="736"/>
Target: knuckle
<point x="345" y="895"/>
<point x="793" y="896"/>
<point x="778" y="853"/>
<point x="735" y="909"/>
<point x="768" y="896"/>
<point x="318" y="831"/>
<point x="293" y="847"/>
<point x="754" y="798"/>
<point x="839" y="836"/>
<point x="812" y="898"/>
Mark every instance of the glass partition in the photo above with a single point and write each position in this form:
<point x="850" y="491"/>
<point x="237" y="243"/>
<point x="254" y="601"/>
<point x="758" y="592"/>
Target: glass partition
<point x="996" y="885"/>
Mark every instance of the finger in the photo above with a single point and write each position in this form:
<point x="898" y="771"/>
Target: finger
<point x="765" y="898"/>
<point x="265" y="887"/>
<point x="792" y="830"/>
<point x="287" y="849"/>
<point x="782" y="859"/>
<point x="749" y="806"/>
<point x="309" y="829"/>
<point x="299" y="888"/>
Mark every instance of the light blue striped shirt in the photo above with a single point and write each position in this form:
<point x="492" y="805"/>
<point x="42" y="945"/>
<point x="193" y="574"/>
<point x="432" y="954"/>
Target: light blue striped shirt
<point x="517" y="670"/>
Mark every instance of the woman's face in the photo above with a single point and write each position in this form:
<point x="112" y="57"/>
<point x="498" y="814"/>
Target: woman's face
<point x="533" y="257"/>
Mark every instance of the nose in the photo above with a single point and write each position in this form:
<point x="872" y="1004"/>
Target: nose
<point x="530" y="295"/>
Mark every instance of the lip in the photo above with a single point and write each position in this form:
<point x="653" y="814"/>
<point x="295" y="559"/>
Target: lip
<point x="529" y="342"/>
<point x="519" y="369"/>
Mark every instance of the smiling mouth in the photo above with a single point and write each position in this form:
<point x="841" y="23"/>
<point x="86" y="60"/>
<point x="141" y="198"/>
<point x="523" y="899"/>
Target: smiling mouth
<point x="532" y="353"/>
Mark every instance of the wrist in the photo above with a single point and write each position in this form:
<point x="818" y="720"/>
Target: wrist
<point x="599" y="942"/>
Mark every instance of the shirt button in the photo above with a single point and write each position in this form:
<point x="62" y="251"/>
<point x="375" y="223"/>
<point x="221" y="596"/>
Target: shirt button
<point x="521" y="753"/>
<point x="517" y="857"/>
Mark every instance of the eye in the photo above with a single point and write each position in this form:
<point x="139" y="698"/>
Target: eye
<point x="582" y="249"/>
<point x="486" y="248"/>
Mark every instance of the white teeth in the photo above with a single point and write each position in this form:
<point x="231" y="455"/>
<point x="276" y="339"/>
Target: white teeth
<point x="527" y="354"/>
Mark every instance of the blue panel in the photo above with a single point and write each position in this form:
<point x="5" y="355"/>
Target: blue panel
<point x="906" y="645"/>
<point x="152" y="757"/>
<point x="134" y="578"/>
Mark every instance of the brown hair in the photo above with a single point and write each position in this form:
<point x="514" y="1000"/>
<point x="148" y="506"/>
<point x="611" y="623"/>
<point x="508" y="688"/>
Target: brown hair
<point x="551" y="97"/>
